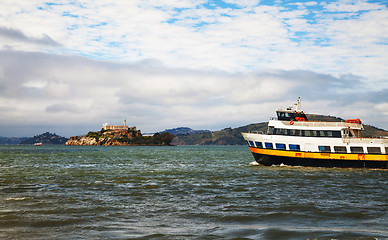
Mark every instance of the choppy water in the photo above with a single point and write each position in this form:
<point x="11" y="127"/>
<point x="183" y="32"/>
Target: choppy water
<point x="184" y="192"/>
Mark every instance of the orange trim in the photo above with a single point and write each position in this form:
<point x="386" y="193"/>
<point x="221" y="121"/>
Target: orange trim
<point x="357" y="120"/>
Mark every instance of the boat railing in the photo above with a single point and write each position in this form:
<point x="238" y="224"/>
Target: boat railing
<point x="323" y="124"/>
<point x="376" y="139"/>
<point x="256" y="132"/>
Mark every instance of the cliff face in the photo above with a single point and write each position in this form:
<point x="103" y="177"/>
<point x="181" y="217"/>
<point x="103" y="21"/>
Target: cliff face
<point x="120" y="138"/>
<point x="82" y="141"/>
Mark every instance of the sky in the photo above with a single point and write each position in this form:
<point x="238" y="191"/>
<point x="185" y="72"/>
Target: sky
<point x="67" y="67"/>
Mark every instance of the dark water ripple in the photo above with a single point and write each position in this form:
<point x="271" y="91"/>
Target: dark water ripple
<point x="191" y="192"/>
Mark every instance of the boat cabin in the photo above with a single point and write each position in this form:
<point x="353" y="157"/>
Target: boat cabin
<point x="289" y="115"/>
<point x="292" y="113"/>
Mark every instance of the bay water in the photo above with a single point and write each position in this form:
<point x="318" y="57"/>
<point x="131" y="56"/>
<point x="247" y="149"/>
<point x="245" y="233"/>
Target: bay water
<point x="182" y="192"/>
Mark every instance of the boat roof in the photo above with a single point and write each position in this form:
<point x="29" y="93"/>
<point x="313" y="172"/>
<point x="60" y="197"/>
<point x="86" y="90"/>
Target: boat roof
<point x="294" y="117"/>
<point x="314" y="125"/>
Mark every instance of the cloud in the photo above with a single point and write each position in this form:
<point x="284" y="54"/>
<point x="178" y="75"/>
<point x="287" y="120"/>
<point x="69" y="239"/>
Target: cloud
<point x="17" y="35"/>
<point x="205" y="64"/>
<point x="70" y="92"/>
<point x="63" y="107"/>
<point x="233" y="36"/>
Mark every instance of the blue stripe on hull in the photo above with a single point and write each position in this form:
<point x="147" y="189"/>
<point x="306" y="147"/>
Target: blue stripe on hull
<point x="269" y="160"/>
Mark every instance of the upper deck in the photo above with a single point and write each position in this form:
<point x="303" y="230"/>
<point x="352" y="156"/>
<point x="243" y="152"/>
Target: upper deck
<point x="314" y="125"/>
<point x="294" y="118"/>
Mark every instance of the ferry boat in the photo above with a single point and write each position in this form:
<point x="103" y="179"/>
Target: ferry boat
<point x="293" y="140"/>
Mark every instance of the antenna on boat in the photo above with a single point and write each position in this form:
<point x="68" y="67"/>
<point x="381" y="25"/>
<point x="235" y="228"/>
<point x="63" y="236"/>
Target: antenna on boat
<point x="298" y="105"/>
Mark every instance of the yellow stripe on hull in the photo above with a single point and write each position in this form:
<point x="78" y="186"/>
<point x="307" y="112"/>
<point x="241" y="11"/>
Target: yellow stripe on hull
<point x="319" y="155"/>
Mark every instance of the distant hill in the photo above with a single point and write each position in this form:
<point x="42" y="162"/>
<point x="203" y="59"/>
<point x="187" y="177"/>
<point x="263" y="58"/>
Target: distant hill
<point x="229" y="136"/>
<point x="369" y="131"/>
<point x="46" y="138"/>
<point x="13" y="140"/>
<point x="184" y="130"/>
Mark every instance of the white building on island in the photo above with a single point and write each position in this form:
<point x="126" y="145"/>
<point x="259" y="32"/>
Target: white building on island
<point x="124" y="127"/>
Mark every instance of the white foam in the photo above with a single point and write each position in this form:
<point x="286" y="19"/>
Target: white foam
<point x="16" y="199"/>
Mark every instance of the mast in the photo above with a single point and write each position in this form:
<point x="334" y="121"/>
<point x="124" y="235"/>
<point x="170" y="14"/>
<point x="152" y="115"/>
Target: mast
<point x="298" y="105"/>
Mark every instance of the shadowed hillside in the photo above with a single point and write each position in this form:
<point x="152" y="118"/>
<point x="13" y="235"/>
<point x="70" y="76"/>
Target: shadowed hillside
<point x="227" y="136"/>
<point x="46" y="138"/>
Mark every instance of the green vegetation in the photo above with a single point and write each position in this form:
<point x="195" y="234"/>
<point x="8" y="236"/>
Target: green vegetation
<point x="130" y="137"/>
<point x="227" y="136"/>
<point x="46" y="138"/>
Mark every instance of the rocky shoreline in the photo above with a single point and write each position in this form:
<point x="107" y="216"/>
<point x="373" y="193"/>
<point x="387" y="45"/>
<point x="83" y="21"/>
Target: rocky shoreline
<point x="126" y="137"/>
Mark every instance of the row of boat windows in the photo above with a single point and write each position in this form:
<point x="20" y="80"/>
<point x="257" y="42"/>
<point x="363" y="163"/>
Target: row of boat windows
<point x="355" y="149"/>
<point x="280" y="146"/>
<point x="323" y="149"/>
<point x="304" y="133"/>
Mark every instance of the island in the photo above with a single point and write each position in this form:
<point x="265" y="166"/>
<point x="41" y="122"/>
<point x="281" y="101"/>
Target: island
<point x="121" y="135"/>
<point x="46" y="138"/>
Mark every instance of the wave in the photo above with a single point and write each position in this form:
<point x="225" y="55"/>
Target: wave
<point x="16" y="199"/>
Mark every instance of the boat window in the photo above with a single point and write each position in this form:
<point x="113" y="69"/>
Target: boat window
<point x="280" y="146"/>
<point x="251" y="144"/>
<point x="356" y="150"/>
<point x="374" y="150"/>
<point x="304" y="133"/>
<point x="324" y="148"/>
<point x="340" y="149"/>
<point x="294" y="147"/>
<point x="386" y="150"/>
<point x="268" y="145"/>
<point x="259" y="144"/>
<point x="270" y="130"/>
<point x="282" y="131"/>
<point x="337" y="134"/>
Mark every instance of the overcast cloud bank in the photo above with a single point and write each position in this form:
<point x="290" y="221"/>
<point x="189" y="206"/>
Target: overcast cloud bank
<point x="72" y="92"/>
<point x="67" y="67"/>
